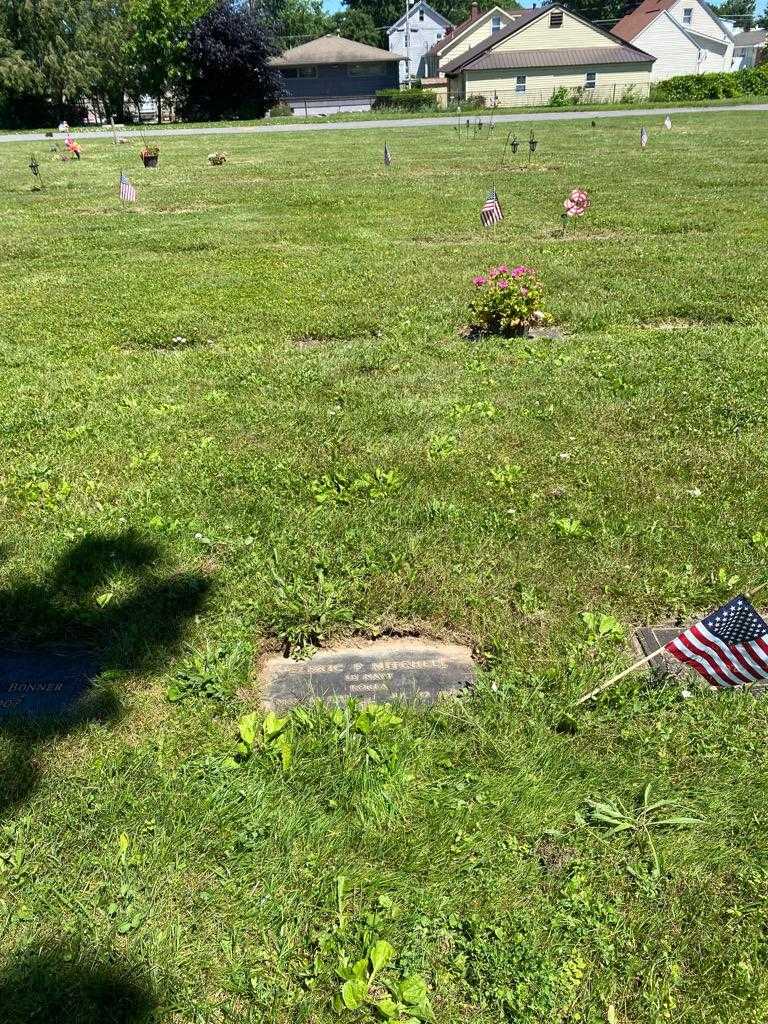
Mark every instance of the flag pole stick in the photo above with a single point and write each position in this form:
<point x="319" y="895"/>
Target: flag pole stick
<point x="616" y="678"/>
<point x="645" y="660"/>
<point x="751" y="593"/>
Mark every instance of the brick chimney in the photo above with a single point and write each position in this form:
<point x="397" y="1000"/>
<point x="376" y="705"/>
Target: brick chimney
<point x="474" y="11"/>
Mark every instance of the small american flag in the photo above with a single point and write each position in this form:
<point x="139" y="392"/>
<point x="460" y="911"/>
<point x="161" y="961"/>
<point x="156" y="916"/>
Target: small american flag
<point x="387" y="157"/>
<point x="127" y="191"/>
<point x="491" y="211"/>
<point x="643" y="137"/>
<point x="728" y="647"/>
<point x="667" y="122"/>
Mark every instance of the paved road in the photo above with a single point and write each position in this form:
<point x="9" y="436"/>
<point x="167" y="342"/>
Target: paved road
<point x="404" y="122"/>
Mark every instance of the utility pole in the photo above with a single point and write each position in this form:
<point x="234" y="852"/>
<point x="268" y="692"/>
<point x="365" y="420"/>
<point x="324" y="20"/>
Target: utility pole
<point x="408" y="42"/>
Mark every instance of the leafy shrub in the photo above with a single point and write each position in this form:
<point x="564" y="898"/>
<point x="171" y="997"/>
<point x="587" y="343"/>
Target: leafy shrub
<point x="405" y="99"/>
<point x="714" y="85"/>
<point x="561" y="97"/>
<point x="507" y="302"/>
<point x="281" y="110"/>
<point x="468" y="103"/>
<point x="630" y="95"/>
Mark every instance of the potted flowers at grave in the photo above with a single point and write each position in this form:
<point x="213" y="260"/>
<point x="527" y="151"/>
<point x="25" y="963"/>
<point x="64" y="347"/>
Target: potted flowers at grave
<point x="506" y="302"/>
<point x="150" y="155"/>
<point x="217" y="159"/>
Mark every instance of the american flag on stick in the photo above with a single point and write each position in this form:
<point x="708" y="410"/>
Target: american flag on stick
<point x="127" y="191"/>
<point x="728" y="647"/>
<point x="643" y="137"/>
<point x="491" y="212"/>
<point x="387" y="157"/>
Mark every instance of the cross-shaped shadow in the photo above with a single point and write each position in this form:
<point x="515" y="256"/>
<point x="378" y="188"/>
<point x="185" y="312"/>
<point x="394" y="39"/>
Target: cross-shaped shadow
<point x="65" y="640"/>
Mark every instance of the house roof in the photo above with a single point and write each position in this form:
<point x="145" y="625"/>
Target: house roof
<point x="473" y="59"/>
<point x="632" y="24"/>
<point x="757" y="37"/>
<point x="521" y="19"/>
<point x="435" y="15"/>
<point x="569" y="56"/>
<point x="332" y="49"/>
<point x="474" y="16"/>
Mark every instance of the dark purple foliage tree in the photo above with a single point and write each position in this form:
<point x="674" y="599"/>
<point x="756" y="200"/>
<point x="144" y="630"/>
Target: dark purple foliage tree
<point x="228" y="74"/>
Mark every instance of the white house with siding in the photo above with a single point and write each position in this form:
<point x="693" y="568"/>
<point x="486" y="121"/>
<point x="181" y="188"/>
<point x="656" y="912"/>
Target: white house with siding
<point x="546" y="49"/>
<point x="685" y="36"/>
<point x="414" y="34"/>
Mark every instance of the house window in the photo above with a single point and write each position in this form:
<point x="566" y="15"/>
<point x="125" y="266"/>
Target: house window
<point x="520" y="83"/>
<point x="496" y="23"/>
<point x="687" y="15"/>
<point x="556" y="19"/>
<point x="421" y="14"/>
<point x="309" y="71"/>
<point x="591" y="80"/>
<point x="367" y="70"/>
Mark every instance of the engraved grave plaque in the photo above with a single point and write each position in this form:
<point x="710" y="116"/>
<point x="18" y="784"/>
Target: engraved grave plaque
<point x="373" y="672"/>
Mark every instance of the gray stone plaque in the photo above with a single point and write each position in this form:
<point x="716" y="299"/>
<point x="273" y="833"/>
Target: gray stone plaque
<point x="374" y="672"/>
<point x="649" y="639"/>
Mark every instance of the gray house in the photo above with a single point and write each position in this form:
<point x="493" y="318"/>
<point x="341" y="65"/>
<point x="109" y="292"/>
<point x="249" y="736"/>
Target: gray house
<point x="333" y="74"/>
<point x="414" y="34"/>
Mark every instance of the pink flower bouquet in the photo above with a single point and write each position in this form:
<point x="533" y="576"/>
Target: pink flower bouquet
<point x="506" y="302"/>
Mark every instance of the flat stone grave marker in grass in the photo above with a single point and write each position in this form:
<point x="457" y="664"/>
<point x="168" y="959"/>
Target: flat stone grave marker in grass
<point x="37" y="682"/>
<point x="374" y="672"/>
<point x="654" y="638"/>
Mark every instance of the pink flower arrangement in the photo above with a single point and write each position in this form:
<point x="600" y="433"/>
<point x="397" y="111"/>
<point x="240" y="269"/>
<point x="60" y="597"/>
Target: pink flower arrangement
<point x="577" y="203"/>
<point x="507" y="302"/>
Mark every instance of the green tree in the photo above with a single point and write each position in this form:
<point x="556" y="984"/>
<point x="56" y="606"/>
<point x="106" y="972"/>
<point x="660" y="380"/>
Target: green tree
<point x="358" y="25"/>
<point x="159" y="33"/>
<point x="605" y="13"/>
<point x="378" y="14"/>
<point x="297" y="21"/>
<point x="741" y="12"/>
<point x="46" y="49"/>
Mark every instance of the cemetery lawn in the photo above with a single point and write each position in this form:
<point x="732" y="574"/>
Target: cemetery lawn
<point x="238" y="415"/>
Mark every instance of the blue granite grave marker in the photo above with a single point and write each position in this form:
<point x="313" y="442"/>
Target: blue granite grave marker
<point x="44" y="681"/>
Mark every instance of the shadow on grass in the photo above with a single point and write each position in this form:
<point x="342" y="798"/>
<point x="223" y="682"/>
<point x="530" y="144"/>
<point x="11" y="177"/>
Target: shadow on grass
<point x="55" y="985"/>
<point x="67" y="640"/>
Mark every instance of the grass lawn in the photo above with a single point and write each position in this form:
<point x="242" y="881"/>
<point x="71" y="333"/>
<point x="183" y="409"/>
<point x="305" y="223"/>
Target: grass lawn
<point x="187" y="505"/>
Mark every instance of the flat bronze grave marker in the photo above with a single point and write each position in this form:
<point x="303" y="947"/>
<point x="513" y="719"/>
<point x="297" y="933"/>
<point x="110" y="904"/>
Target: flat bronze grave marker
<point x="36" y="682"/>
<point x="374" y="672"/>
